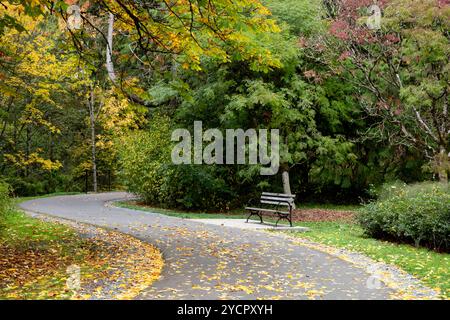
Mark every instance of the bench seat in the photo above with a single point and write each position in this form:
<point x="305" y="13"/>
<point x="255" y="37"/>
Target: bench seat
<point x="267" y="210"/>
<point x="277" y="200"/>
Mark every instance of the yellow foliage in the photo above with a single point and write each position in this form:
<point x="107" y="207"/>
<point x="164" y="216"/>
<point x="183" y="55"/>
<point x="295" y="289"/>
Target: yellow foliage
<point x="21" y="160"/>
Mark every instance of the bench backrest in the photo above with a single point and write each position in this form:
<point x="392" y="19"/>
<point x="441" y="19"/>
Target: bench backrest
<point x="279" y="199"/>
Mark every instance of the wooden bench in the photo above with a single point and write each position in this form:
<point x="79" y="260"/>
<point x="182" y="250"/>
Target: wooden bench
<point x="274" y="201"/>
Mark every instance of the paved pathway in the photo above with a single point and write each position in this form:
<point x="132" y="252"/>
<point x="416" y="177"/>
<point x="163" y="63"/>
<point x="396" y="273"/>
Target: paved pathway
<point x="251" y="224"/>
<point x="206" y="261"/>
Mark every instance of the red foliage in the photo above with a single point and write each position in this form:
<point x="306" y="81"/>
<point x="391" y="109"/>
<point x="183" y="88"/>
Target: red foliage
<point x="344" y="55"/>
<point x="346" y="25"/>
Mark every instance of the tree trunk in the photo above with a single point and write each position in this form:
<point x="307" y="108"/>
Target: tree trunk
<point x="27" y="149"/>
<point x="110" y="67"/>
<point x="92" y="123"/>
<point x="286" y="183"/>
<point x="109" y="63"/>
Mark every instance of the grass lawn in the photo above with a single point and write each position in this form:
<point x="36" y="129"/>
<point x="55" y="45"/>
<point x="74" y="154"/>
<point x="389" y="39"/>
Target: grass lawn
<point x="431" y="267"/>
<point x="35" y="254"/>
<point x="34" y="257"/>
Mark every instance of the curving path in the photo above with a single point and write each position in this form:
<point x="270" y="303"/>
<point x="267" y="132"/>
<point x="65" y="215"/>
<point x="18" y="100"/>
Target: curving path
<point x="216" y="262"/>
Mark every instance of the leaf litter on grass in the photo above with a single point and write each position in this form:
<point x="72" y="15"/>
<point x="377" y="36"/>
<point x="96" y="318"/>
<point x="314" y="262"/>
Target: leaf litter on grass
<point x="112" y="265"/>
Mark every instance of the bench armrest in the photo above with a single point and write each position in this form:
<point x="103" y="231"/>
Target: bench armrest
<point x="252" y="202"/>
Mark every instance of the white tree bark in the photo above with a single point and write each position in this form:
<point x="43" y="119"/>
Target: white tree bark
<point x="93" y="142"/>
<point x="109" y="46"/>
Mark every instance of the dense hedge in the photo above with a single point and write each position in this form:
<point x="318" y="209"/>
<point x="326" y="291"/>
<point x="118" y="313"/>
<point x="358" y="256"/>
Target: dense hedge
<point x="147" y="170"/>
<point x="418" y="214"/>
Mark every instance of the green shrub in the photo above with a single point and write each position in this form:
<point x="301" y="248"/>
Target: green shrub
<point x="387" y="190"/>
<point x="196" y="187"/>
<point x="42" y="183"/>
<point x="27" y="186"/>
<point x="142" y="157"/>
<point x="5" y="201"/>
<point x="418" y="214"/>
<point x="147" y="170"/>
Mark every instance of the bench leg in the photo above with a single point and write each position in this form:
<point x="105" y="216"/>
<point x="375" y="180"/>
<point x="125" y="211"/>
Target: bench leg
<point x="252" y="213"/>
<point x="288" y="218"/>
<point x="279" y="218"/>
